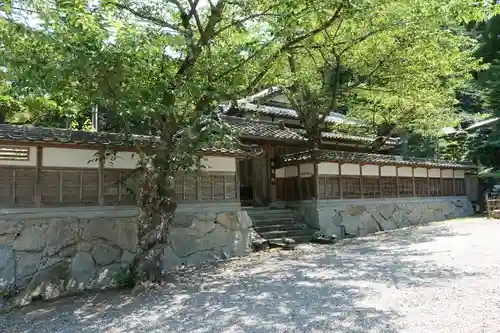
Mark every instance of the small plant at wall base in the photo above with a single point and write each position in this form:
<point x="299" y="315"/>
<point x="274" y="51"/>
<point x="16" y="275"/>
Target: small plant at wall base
<point x="124" y="279"/>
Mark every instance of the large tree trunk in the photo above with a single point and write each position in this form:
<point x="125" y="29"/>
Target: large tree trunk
<point x="156" y="204"/>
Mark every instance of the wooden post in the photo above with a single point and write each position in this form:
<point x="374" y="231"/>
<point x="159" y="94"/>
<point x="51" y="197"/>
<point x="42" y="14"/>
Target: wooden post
<point x="198" y="178"/>
<point x="397" y="181"/>
<point x="237" y="182"/>
<point x="454" y="186"/>
<point x="81" y="187"/>
<point x="428" y="183"/>
<point x="379" y="181"/>
<point x="315" y="180"/>
<point x="341" y="192"/>
<point x="13" y="192"/>
<point x="119" y="186"/>
<point x="441" y="182"/>
<point x="38" y="174"/>
<point x="361" y="180"/>
<point x="100" y="178"/>
<point x="299" y="181"/>
<point x="61" y="183"/>
<point x="413" y="180"/>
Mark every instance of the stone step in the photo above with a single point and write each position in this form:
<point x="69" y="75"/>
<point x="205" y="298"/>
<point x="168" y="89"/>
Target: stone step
<point x="272" y="221"/>
<point x="283" y="234"/>
<point x="271" y="215"/>
<point x="297" y="239"/>
<point x="267" y="211"/>
<point x="278" y="227"/>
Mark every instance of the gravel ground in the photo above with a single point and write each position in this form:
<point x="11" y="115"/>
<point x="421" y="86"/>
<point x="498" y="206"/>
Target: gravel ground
<point x="444" y="277"/>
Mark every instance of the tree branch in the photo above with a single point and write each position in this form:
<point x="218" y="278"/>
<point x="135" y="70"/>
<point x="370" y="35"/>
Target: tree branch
<point x="147" y="17"/>
<point x="289" y="44"/>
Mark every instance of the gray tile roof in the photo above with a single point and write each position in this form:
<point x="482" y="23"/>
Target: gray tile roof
<point x="350" y="157"/>
<point x="262" y="129"/>
<point x="38" y="134"/>
<point x="333" y="118"/>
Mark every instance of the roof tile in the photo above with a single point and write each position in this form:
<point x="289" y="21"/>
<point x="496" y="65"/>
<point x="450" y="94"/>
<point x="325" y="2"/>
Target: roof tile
<point x="351" y="157"/>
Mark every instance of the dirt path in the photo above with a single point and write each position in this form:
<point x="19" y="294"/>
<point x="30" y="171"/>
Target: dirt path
<point x="444" y="277"/>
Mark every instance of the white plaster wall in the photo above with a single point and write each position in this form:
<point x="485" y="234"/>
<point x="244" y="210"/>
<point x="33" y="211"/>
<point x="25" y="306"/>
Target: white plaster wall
<point x="328" y="168"/>
<point x="69" y="158"/>
<point x="434" y="173"/>
<point x="291" y="171"/>
<point x="280" y="173"/>
<point x="459" y="174"/>
<point x="448" y="173"/>
<point x="405" y="172"/>
<point x="350" y="169"/>
<point x="306" y="170"/>
<point x="219" y="163"/>
<point x="420" y="172"/>
<point x="370" y="170"/>
<point x="31" y="157"/>
<point x="388" y="171"/>
<point x="123" y="160"/>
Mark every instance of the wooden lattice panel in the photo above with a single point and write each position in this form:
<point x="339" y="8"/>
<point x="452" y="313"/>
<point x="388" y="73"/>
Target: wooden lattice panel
<point x="371" y="187"/>
<point x="435" y="187"/>
<point x="90" y="188"/>
<point x="6" y="186"/>
<point x="351" y="187"/>
<point x="71" y="185"/>
<point x="25" y="186"/>
<point x="405" y="187"/>
<point x="329" y="187"/>
<point x="50" y="183"/>
<point x="421" y="187"/>
<point x="8" y="153"/>
<point x="448" y="189"/>
<point x="389" y="186"/>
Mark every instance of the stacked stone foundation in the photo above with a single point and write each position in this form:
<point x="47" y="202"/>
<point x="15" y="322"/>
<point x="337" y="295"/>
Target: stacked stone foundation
<point x="45" y="253"/>
<point x="361" y="217"/>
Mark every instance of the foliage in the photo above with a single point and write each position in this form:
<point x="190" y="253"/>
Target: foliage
<point x="396" y="65"/>
<point x="124" y="279"/>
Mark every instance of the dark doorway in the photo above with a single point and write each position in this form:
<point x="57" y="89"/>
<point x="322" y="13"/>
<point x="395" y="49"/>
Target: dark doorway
<point x="246" y="182"/>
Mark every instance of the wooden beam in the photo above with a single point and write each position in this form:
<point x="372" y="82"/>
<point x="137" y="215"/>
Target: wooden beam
<point x="379" y="180"/>
<point x="341" y="192"/>
<point x="81" y="187"/>
<point x="300" y="181"/>
<point x="100" y="176"/>
<point x="428" y="183"/>
<point x="198" y="178"/>
<point x="441" y="182"/>
<point x="361" y="180"/>
<point x="38" y="175"/>
<point x="61" y="187"/>
<point x="315" y="181"/>
<point x="413" y="180"/>
<point x="454" y="186"/>
<point x="14" y="185"/>
<point x="237" y="181"/>
<point x="397" y="181"/>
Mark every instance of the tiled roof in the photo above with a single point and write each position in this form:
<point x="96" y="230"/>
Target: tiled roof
<point x="350" y="157"/>
<point x="332" y="118"/>
<point x="262" y="129"/>
<point x="65" y="136"/>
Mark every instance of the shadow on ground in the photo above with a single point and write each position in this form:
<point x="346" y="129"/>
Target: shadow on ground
<point x="315" y="289"/>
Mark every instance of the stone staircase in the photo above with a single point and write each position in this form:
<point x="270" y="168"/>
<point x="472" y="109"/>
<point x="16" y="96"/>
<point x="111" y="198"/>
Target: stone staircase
<point x="276" y="224"/>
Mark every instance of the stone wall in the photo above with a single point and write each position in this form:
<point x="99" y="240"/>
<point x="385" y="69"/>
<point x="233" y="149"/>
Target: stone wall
<point x="54" y="251"/>
<point x="365" y="216"/>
